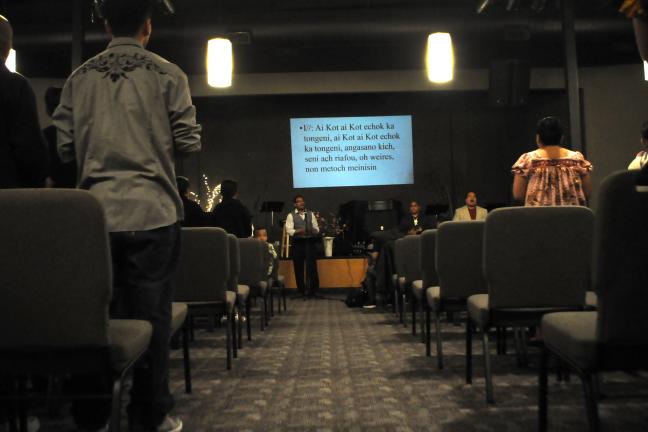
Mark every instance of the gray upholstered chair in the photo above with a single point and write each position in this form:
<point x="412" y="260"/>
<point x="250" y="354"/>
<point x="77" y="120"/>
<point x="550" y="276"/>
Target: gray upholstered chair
<point x="201" y="280"/>
<point x="242" y="291"/>
<point x="179" y="313"/>
<point x="426" y="263"/>
<point x="56" y="282"/>
<point x="615" y="337"/>
<point x="459" y="258"/>
<point x="409" y="250"/>
<point x="536" y="260"/>
<point x="254" y="273"/>
<point x="277" y="288"/>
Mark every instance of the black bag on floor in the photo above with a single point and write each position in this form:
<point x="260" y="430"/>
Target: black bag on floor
<point x="357" y="298"/>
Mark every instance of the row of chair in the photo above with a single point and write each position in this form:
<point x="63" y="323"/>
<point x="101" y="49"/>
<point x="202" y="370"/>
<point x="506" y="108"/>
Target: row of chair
<point x="580" y="279"/>
<point x="56" y="280"/>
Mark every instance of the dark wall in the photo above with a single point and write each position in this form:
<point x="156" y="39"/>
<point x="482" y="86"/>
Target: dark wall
<point x="460" y="144"/>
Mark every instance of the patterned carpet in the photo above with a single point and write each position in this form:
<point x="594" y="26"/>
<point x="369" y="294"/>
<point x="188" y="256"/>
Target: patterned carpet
<point x="324" y="367"/>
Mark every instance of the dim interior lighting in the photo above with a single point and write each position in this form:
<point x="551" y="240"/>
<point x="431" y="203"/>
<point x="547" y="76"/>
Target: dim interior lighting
<point x="219" y="62"/>
<point x="440" y="58"/>
<point x="645" y="63"/>
<point x="11" y="61"/>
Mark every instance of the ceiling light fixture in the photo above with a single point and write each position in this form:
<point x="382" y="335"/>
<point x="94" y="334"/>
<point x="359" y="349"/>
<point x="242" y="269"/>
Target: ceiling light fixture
<point x="219" y="62"/>
<point x="440" y="58"/>
<point x="11" y="61"/>
<point x="483" y="4"/>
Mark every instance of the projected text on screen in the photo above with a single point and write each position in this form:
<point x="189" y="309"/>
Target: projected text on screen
<point x="351" y="151"/>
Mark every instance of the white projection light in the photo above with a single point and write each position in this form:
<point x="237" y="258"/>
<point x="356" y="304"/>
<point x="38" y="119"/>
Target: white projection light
<point x="645" y="70"/>
<point x="219" y="63"/>
<point x="440" y="58"/>
<point x="11" y="61"/>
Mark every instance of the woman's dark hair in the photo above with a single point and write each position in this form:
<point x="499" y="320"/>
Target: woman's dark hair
<point x="125" y="17"/>
<point x="644" y="130"/>
<point x="550" y="131"/>
<point x="228" y="189"/>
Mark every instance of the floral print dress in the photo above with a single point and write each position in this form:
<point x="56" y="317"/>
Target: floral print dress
<point x="553" y="182"/>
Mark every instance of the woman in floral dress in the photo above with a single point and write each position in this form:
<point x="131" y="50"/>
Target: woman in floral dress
<point x="551" y="175"/>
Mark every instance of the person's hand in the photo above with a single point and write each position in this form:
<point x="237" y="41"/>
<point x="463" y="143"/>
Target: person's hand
<point x="300" y="231"/>
<point x="412" y="232"/>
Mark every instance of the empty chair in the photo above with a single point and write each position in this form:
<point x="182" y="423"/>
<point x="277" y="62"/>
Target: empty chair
<point x="277" y="287"/>
<point x="400" y="256"/>
<point x="201" y="280"/>
<point x="242" y="291"/>
<point x="254" y="273"/>
<point x="408" y="251"/>
<point x="615" y="337"/>
<point x="459" y="258"/>
<point x="536" y="260"/>
<point x="426" y="268"/>
<point x="55" y="277"/>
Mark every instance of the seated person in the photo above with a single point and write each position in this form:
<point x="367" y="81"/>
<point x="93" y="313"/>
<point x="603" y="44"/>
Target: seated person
<point x="642" y="157"/>
<point x="194" y="216"/>
<point x="231" y="214"/>
<point x="415" y="222"/>
<point x="471" y="211"/>
<point x="261" y="234"/>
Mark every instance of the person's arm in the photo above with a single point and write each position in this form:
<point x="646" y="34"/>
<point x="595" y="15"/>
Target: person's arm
<point x="641" y="34"/>
<point x="26" y="139"/>
<point x="182" y="115"/>
<point x="63" y="119"/>
<point x="519" y="188"/>
<point x="290" y="225"/>
<point x="248" y="222"/>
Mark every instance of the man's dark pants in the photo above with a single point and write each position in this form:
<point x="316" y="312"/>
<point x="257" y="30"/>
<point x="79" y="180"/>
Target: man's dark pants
<point x="304" y="252"/>
<point x="144" y="264"/>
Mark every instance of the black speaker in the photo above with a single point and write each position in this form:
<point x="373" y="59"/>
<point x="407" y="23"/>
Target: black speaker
<point x="509" y="83"/>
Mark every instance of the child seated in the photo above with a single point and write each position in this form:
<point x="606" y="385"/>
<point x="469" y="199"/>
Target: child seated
<point x="261" y="234"/>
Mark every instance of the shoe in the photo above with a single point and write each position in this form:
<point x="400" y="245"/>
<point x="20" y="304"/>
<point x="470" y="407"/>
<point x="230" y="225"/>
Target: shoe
<point x="369" y="306"/>
<point x="170" y="424"/>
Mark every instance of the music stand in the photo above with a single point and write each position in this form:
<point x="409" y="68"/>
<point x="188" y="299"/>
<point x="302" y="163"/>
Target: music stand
<point x="272" y="207"/>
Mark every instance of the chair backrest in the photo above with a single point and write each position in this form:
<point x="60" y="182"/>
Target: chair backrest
<point x="459" y="259"/>
<point x="621" y="261"/>
<point x="407" y="257"/>
<point x="204" y="265"/>
<point x="235" y="262"/>
<point x="428" y="258"/>
<point x="55" y="270"/>
<point x="253" y="262"/>
<point x="536" y="257"/>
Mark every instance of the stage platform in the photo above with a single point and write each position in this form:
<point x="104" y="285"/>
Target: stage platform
<point x="334" y="272"/>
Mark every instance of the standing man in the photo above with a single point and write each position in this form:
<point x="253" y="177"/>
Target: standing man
<point x="301" y="225"/>
<point x="23" y="153"/>
<point x="415" y="222"/>
<point x="124" y="115"/>
<point x="471" y="211"/>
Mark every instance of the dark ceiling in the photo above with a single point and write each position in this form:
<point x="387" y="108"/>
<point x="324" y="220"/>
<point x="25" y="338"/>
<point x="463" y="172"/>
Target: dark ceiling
<point x="333" y="35"/>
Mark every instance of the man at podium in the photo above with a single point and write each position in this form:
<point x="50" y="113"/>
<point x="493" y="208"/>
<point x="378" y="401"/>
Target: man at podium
<point x="301" y="225"/>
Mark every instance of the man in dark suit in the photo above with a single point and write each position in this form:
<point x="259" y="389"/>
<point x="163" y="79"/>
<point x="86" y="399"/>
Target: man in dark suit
<point x="194" y="216"/>
<point x="231" y="214"/>
<point x="415" y="222"/>
<point x="23" y="153"/>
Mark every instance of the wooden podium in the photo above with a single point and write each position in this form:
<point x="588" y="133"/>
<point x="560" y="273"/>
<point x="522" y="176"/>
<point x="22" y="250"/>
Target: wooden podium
<point x="335" y="272"/>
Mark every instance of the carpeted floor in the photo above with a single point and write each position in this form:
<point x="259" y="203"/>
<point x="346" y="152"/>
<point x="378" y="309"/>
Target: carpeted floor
<point x="322" y="366"/>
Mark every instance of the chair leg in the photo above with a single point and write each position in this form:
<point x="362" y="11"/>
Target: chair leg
<point x="228" y="341"/>
<point x="248" y="324"/>
<point x="413" y="315"/>
<point x="239" y="326"/>
<point x="267" y="312"/>
<point x="487" y="368"/>
<point x="185" y="357"/>
<point x="542" y="390"/>
<point x="422" y="321"/>
<point x="115" y="410"/>
<point x="283" y="294"/>
<point x="232" y="319"/>
<point x="439" y="345"/>
<point x="262" y="314"/>
<point x="271" y="303"/>
<point x="428" y="349"/>
<point x="591" y="402"/>
<point x="468" y="351"/>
